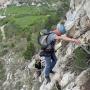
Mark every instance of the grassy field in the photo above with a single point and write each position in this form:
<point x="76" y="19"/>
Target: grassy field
<point x="27" y="10"/>
<point x="26" y="22"/>
<point x="27" y="16"/>
<point x="29" y="20"/>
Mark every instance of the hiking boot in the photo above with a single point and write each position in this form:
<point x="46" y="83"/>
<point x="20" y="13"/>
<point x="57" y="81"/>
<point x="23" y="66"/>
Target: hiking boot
<point x="53" y="72"/>
<point x="48" y="80"/>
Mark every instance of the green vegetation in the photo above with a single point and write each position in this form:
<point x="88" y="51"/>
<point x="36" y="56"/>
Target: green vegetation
<point x="29" y="20"/>
<point x="0" y="37"/>
<point x="2" y="71"/>
<point x="3" y="49"/>
<point x="30" y="51"/>
<point x="80" y="59"/>
<point x="26" y="22"/>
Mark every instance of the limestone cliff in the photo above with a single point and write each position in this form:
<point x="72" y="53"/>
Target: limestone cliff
<point x="73" y="65"/>
<point x="73" y="70"/>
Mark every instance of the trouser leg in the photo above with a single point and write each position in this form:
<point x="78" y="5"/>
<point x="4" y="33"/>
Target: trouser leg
<point x="47" y="65"/>
<point x="54" y="60"/>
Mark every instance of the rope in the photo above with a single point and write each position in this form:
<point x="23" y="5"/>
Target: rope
<point x="88" y="52"/>
<point x="83" y="47"/>
<point x="78" y="67"/>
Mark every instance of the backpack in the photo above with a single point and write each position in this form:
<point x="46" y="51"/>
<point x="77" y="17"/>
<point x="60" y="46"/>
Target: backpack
<point x="43" y="37"/>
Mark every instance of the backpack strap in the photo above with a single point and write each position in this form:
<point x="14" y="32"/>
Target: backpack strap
<point x="47" y="40"/>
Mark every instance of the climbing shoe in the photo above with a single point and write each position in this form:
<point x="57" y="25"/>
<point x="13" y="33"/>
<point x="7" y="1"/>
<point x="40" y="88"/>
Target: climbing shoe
<point x="48" y="80"/>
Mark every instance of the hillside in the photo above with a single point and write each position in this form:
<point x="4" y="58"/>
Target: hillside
<point x="26" y="22"/>
<point x="19" y="28"/>
<point x="19" y="48"/>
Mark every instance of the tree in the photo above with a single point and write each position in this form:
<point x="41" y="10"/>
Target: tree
<point x="29" y="51"/>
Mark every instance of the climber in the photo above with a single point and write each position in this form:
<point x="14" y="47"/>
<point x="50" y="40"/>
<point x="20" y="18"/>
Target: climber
<point x="49" y="52"/>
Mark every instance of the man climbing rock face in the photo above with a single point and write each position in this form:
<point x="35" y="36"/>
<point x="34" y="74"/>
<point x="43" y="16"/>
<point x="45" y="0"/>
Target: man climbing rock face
<point x="49" y="52"/>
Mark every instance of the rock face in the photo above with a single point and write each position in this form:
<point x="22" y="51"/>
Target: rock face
<point x="3" y="33"/>
<point x="73" y="75"/>
<point x="73" y="65"/>
<point x="16" y="73"/>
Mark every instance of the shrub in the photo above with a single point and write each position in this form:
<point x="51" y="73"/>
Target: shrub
<point x="2" y="71"/>
<point x="29" y="51"/>
<point x="80" y="59"/>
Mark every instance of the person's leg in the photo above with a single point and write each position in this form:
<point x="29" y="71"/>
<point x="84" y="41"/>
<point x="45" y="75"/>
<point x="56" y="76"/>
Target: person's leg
<point x="47" y="65"/>
<point x="47" y="68"/>
<point x="54" y="60"/>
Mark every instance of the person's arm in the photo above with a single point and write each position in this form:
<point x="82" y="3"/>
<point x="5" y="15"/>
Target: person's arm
<point x="67" y="39"/>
